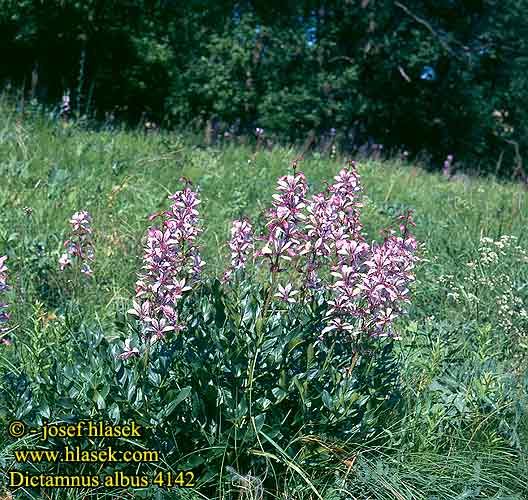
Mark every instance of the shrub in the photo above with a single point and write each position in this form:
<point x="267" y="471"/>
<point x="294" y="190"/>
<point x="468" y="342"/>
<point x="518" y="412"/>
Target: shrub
<point x="293" y="345"/>
<point x="296" y="340"/>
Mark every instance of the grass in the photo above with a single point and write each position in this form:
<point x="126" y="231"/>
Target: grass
<point x="464" y="430"/>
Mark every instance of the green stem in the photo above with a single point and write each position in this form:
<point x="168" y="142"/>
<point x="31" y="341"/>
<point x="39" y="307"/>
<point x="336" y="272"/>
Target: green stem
<point x="146" y="358"/>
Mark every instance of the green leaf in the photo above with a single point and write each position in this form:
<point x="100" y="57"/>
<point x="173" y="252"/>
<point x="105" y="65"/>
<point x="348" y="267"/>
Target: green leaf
<point x="279" y="394"/>
<point x="131" y="392"/>
<point x="154" y="378"/>
<point x="139" y="397"/>
<point x="114" y="413"/>
<point x="259" y="421"/>
<point x="183" y="394"/>
<point x="99" y="400"/>
<point x="327" y="399"/>
<point x="192" y="462"/>
<point x="241" y="409"/>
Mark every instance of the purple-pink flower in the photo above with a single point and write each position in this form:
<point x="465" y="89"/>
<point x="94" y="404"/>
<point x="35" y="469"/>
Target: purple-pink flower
<point x="64" y="261"/>
<point x="317" y="242"/>
<point x="80" y="222"/>
<point x="158" y="328"/>
<point x="338" y="325"/>
<point x="241" y="245"/>
<point x="286" y="293"/>
<point x="448" y="164"/>
<point x="79" y="247"/>
<point x="285" y="236"/>
<point x="65" y="104"/>
<point x="3" y="273"/>
<point x="333" y="228"/>
<point x="369" y="283"/>
<point x="372" y="281"/>
<point x="171" y="265"/>
<point x="128" y="351"/>
<point x="141" y="310"/>
<point x="344" y="199"/>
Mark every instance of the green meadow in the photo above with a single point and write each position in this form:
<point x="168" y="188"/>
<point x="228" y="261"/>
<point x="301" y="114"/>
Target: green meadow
<point x="462" y="428"/>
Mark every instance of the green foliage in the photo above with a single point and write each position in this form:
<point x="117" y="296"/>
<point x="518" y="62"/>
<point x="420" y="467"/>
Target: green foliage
<point x="255" y="378"/>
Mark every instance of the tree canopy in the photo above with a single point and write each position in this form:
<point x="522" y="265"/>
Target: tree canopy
<point x="445" y="76"/>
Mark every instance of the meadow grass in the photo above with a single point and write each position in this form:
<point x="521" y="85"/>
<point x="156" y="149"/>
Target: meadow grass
<point x="463" y="432"/>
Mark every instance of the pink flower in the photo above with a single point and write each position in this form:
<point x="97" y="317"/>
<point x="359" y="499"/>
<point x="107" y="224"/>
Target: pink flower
<point x="196" y="265"/>
<point x="352" y="249"/>
<point x="171" y="258"/>
<point x="285" y="219"/>
<point x="80" y="222"/>
<point x="333" y="227"/>
<point x="64" y="261"/>
<point x="338" y="325"/>
<point x="385" y="317"/>
<point x="142" y="311"/>
<point x="177" y="289"/>
<point x="159" y="328"/>
<point x="241" y="243"/>
<point x="372" y="281"/>
<point x="128" y="351"/>
<point x="345" y="202"/>
<point x="346" y="182"/>
<point x="286" y="293"/>
<point x="79" y="248"/>
<point x="448" y="163"/>
<point x="155" y="215"/>
<point x="140" y="288"/>
<point x="170" y="314"/>
<point x="3" y="267"/>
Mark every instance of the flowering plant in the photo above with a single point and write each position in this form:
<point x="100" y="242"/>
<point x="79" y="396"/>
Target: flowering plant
<point x="79" y="247"/>
<point x="448" y="166"/>
<point x="171" y="261"/>
<point x="296" y="337"/>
